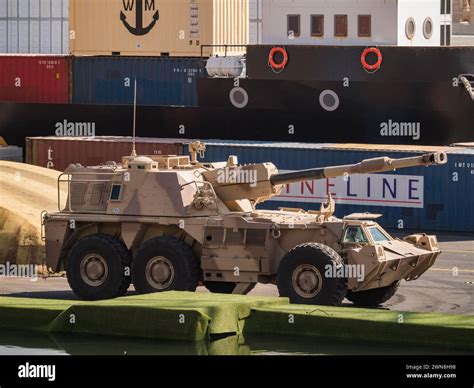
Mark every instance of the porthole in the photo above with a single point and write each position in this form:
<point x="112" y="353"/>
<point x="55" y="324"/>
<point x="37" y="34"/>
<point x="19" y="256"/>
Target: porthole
<point x="410" y="28"/>
<point x="428" y="28"/>
<point x="329" y="100"/>
<point x="239" y="97"/>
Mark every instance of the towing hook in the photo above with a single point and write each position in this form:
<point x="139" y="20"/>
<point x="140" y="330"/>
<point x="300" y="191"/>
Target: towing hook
<point x="276" y="232"/>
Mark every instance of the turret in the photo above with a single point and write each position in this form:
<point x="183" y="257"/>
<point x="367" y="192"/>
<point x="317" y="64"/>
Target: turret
<point x="260" y="182"/>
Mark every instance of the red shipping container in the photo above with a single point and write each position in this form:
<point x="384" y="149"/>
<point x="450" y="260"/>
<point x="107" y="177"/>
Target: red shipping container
<point x="59" y="152"/>
<point x="34" y="78"/>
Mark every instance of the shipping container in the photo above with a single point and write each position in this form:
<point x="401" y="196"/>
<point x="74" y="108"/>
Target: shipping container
<point x="152" y="27"/>
<point x="11" y="154"/>
<point x="59" y="152"/>
<point x="34" y="26"/>
<point x="34" y="78"/>
<point x="160" y="80"/>
<point x="437" y="198"/>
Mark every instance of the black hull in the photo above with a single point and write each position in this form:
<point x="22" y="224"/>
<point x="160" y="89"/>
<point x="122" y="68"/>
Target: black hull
<point x="18" y="121"/>
<point x="413" y="87"/>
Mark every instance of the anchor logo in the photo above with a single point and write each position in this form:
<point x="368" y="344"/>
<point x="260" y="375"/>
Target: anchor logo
<point x="139" y="30"/>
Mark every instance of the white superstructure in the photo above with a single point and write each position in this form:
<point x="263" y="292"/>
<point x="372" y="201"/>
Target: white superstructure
<point x="351" y="22"/>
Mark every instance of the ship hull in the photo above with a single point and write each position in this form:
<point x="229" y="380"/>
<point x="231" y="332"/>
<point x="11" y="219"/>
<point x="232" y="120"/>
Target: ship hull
<point x="412" y="99"/>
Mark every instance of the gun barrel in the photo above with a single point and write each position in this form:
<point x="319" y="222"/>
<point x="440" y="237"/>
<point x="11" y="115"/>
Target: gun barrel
<point x="367" y="166"/>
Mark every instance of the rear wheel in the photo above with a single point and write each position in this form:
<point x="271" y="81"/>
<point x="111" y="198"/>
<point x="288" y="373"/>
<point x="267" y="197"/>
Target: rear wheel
<point x="98" y="268"/>
<point x="165" y="264"/>
<point x="224" y="287"/>
<point x="301" y="276"/>
<point x="373" y="297"/>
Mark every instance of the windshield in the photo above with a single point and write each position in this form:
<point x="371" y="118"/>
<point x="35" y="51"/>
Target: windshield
<point x="377" y="235"/>
<point x="354" y="234"/>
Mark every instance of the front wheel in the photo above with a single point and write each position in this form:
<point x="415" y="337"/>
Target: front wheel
<point x="165" y="264"/>
<point x="302" y="275"/>
<point x="374" y="297"/>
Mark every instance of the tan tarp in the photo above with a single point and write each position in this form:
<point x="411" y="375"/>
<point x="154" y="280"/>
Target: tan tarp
<point x="25" y="191"/>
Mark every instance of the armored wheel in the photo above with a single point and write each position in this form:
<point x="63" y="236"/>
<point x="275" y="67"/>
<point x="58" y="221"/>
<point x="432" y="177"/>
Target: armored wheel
<point x="98" y="267"/>
<point x="301" y="276"/>
<point x="373" y="297"/>
<point x="165" y="264"/>
<point x="224" y="287"/>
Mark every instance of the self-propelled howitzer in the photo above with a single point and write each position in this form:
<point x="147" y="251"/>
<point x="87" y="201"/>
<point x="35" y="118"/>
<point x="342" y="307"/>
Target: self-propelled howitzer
<point x="176" y="222"/>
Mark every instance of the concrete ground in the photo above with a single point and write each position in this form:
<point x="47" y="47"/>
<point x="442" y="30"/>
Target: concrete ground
<point x="447" y="287"/>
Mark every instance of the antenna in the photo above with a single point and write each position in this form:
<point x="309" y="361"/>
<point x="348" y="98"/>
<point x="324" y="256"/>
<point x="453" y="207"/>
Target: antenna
<point x="134" y="150"/>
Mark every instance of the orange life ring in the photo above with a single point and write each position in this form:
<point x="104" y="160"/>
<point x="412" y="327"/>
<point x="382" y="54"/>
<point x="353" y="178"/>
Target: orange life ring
<point x="377" y="64"/>
<point x="271" y="58"/>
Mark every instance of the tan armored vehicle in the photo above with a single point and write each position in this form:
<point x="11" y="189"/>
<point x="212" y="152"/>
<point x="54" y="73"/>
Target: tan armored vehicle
<point x="171" y="222"/>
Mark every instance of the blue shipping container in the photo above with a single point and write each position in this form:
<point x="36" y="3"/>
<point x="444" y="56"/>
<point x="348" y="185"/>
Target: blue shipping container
<point x="160" y="80"/>
<point x="420" y="198"/>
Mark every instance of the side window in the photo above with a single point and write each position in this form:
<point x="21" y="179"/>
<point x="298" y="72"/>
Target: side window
<point x="294" y="24"/>
<point x="340" y="25"/>
<point x="115" y="194"/>
<point x="354" y="234"/>
<point x="365" y="26"/>
<point x="317" y="25"/>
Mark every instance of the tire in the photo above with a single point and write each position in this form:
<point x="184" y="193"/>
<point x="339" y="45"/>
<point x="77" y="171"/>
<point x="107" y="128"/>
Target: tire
<point x="374" y="297"/>
<point x="223" y="287"/>
<point x="165" y="264"/>
<point x="104" y="254"/>
<point x="300" y="266"/>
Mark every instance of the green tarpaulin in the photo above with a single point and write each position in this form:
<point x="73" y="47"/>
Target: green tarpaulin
<point x="199" y="316"/>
